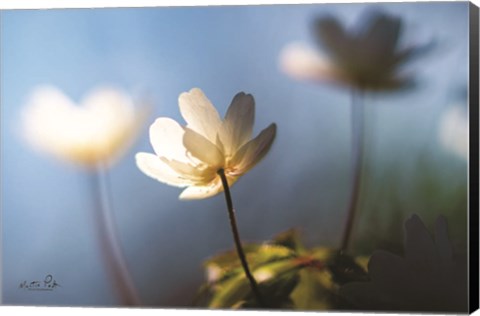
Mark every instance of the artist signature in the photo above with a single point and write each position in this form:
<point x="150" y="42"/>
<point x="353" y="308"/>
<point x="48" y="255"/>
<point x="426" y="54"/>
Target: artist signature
<point x="47" y="284"/>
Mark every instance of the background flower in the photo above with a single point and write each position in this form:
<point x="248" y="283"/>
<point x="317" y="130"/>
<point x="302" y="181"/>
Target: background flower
<point x="453" y="130"/>
<point x="367" y="57"/>
<point x="191" y="156"/>
<point x="364" y="58"/>
<point x="304" y="63"/>
<point x="93" y="134"/>
<point x="99" y="129"/>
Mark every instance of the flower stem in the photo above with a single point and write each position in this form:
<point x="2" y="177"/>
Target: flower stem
<point x="357" y="120"/>
<point x="236" y="237"/>
<point x="109" y="246"/>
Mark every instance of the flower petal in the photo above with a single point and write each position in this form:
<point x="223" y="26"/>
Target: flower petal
<point x="304" y="63"/>
<point x="334" y="39"/>
<point x="199" y="113"/>
<point x="101" y="129"/>
<point x="202" y="192"/>
<point x="205" y="191"/>
<point x="110" y="103"/>
<point x="198" y="174"/>
<point x="42" y="128"/>
<point x="166" y="137"/>
<point x="381" y="38"/>
<point x="109" y="114"/>
<point x="238" y="124"/>
<point x="113" y="120"/>
<point x="253" y="151"/>
<point x="56" y="125"/>
<point x="154" y="167"/>
<point x="202" y="149"/>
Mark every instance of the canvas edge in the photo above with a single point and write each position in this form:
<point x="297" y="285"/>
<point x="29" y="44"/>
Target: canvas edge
<point x="473" y="158"/>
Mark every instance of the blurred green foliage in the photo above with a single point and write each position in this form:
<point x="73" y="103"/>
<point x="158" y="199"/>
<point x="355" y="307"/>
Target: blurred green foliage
<point x="289" y="276"/>
<point x="391" y="191"/>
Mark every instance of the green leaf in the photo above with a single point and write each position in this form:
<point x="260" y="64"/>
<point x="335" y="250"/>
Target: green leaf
<point x="319" y="281"/>
<point x="269" y="253"/>
<point x="313" y="291"/>
<point x="362" y="261"/>
<point x="230" y="258"/>
<point x="221" y="267"/>
<point x="276" y="292"/>
<point x="323" y="254"/>
<point x="232" y="293"/>
<point x="289" y="239"/>
<point x="275" y="280"/>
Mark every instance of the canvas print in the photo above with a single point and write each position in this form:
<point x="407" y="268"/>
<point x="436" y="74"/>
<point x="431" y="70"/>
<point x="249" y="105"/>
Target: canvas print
<point x="264" y="157"/>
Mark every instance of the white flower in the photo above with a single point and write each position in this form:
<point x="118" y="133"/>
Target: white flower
<point x="100" y="129"/>
<point x="453" y="131"/>
<point x="367" y="57"/>
<point x="190" y="156"/>
<point x="305" y="63"/>
<point x="429" y="278"/>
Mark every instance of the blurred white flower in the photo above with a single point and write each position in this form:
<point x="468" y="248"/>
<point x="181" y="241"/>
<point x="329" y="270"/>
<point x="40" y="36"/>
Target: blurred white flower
<point x="429" y="278"/>
<point x="453" y="130"/>
<point x="367" y="57"/>
<point x="99" y="129"/>
<point x="305" y="63"/>
<point x="190" y="156"/>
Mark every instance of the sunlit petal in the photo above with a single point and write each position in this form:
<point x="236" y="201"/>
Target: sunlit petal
<point x="166" y="137"/>
<point x="202" y="148"/>
<point x="193" y="173"/>
<point x="154" y="167"/>
<point x="201" y="192"/>
<point x="205" y="191"/>
<point x="252" y="152"/>
<point x="238" y="124"/>
<point x="199" y="113"/>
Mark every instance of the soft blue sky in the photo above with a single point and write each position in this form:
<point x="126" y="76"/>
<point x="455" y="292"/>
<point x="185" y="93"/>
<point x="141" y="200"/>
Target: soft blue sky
<point x="161" y="52"/>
